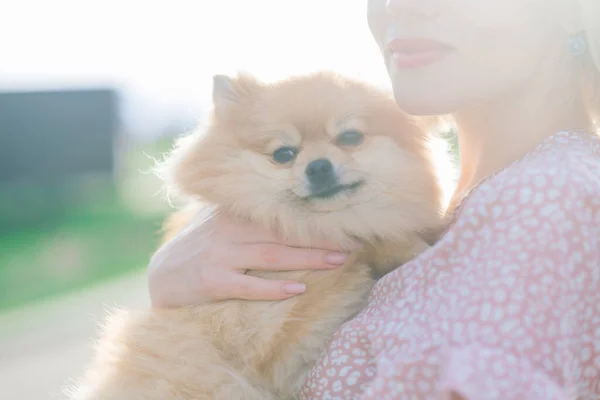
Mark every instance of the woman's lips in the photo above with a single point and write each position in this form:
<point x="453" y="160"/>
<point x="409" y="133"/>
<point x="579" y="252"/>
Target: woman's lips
<point x="417" y="52"/>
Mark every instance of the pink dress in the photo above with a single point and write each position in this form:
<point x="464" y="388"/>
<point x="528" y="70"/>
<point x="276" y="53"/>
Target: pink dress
<point x="505" y="306"/>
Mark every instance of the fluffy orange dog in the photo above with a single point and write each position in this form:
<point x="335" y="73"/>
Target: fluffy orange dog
<point x="314" y="157"/>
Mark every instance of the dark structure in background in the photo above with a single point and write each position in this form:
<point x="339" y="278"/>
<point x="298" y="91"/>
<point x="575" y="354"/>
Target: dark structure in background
<point x="48" y="140"/>
<point x="56" y="135"/>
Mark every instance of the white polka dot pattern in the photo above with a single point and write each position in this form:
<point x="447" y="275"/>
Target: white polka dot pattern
<point x="505" y="306"/>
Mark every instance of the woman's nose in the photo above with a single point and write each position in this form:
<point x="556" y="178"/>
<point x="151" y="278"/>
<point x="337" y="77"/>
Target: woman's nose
<point x="415" y="8"/>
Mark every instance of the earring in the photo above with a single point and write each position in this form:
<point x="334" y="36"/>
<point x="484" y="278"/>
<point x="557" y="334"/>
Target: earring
<point x="577" y="45"/>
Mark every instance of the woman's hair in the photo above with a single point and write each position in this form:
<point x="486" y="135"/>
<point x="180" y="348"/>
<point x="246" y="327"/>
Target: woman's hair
<point x="590" y="78"/>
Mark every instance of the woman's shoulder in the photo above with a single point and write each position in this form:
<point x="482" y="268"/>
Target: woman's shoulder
<point x="576" y="155"/>
<point x="582" y="163"/>
<point x="558" y="183"/>
<point x="568" y="162"/>
<point x="565" y="167"/>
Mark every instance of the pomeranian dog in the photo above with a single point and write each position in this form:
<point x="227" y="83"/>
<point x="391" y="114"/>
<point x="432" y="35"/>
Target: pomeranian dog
<point x="315" y="157"/>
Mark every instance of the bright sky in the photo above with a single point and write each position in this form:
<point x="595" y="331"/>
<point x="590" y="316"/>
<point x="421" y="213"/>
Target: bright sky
<point x="167" y="51"/>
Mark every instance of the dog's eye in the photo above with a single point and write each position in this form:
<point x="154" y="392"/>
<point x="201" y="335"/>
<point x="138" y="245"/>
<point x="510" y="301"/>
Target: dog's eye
<point x="349" y="138"/>
<point x="284" y="155"/>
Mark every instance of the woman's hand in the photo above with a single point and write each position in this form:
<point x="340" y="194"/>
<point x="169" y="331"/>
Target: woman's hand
<point x="208" y="260"/>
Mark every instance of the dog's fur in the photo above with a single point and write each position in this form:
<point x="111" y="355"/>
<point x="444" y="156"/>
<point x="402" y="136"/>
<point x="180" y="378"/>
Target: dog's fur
<point x="263" y="350"/>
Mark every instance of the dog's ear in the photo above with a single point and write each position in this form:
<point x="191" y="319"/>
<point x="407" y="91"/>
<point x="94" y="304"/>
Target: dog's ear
<point x="231" y="91"/>
<point x="223" y="90"/>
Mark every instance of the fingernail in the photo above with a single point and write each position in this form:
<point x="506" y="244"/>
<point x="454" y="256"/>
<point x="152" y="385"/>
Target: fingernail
<point x="336" y="258"/>
<point x="294" y="288"/>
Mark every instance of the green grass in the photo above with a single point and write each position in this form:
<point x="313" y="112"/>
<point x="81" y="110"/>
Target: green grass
<point x="85" y="247"/>
<point x="56" y="239"/>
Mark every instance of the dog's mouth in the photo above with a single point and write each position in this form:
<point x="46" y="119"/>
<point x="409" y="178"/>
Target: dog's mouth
<point x="331" y="191"/>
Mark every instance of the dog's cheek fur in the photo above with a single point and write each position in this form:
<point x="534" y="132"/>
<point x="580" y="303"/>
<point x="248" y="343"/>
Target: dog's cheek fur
<point x="241" y="182"/>
<point x="194" y="161"/>
<point x="404" y="178"/>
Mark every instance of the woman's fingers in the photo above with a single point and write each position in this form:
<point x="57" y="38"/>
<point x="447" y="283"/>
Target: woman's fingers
<point x="207" y="257"/>
<point x="253" y="288"/>
<point x="277" y="257"/>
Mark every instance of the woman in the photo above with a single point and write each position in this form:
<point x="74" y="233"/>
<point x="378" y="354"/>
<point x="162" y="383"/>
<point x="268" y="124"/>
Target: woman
<point x="507" y="303"/>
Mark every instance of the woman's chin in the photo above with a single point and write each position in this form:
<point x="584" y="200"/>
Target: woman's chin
<point x="425" y="105"/>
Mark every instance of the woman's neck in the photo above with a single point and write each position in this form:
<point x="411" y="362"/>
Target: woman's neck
<point x="493" y="135"/>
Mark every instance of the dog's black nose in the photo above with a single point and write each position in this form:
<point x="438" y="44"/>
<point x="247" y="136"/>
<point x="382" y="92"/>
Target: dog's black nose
<point x="320" y="172"/>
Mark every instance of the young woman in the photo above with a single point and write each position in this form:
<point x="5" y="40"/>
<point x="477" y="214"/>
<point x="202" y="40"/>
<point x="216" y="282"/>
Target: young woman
<point x="507" y="303"/>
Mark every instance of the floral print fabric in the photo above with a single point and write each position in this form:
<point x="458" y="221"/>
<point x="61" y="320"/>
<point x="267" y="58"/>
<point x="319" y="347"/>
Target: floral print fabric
<point x="505" y="306"/>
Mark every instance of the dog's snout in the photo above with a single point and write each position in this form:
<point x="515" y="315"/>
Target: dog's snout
<point x="320" y="172"/>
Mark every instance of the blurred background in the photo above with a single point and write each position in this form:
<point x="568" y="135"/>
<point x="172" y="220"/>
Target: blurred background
<point x="91" y="93"/>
